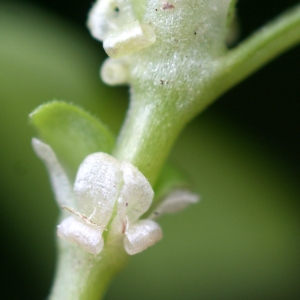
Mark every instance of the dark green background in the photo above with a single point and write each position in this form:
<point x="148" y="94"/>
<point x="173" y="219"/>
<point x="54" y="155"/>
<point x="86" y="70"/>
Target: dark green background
<point x="241" y="242"/>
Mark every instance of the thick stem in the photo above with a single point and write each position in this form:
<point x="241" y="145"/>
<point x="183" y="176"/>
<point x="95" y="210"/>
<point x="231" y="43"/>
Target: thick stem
<point x="152" y="124"/>
<point x="150" y="129"/>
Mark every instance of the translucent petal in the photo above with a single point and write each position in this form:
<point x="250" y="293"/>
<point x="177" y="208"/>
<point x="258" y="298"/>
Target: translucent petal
<point x="130" y="38"/>
<point x="87" y="236"/>
<point x="109" y="15"/>
<point x="136" y="194"/>
<point x="141" y="235"/>
<point x="115" y="71"/>
<point x="175" y="202"/>
<point x="61" y="185"/>
<point x="97" y="186"/>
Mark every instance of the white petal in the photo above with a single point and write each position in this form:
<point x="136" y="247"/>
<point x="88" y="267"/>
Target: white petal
<point x="61" y="185"/>
<point x="130" y="38"/>
<point x="97" y="20"/>
<point x="175" y="202"/>
<point x="97" y="186"/>
<point x="87" y="236"/>
<point x="114" y="72"/>
<point x="108" y="15"/>
<point x="141" y="235"/>
<point x="136" y="194"/>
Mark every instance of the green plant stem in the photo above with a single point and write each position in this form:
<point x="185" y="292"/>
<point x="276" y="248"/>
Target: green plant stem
<point x="83" y="276"/>
<point x="148" y="134"/>
<point x="152" y="126"/>
<point x="260" y="48"/>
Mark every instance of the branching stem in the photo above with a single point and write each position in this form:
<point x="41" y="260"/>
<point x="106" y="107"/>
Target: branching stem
<point x="151" y="128"/>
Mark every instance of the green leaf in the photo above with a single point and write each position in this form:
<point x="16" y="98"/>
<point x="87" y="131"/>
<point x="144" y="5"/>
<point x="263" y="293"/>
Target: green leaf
<point x="71" y="132"/>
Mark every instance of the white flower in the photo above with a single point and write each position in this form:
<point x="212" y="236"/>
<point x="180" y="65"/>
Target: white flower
<point x="114" y="23"/>
<point x="107" y="195"/>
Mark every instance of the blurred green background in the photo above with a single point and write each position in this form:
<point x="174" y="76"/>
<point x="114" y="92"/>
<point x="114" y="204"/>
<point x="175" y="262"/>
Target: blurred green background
<point x="240" y="242"/>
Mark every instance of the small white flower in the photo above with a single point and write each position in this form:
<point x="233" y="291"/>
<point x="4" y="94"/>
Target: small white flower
<point x="107" y="195"/>
<point x="104" y="188"/>
<point x="114" y="23"/>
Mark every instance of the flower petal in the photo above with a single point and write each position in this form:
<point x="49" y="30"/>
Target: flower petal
<point x="115" y="71"/>
<point x="136" y="194"/>
<point x="141" y="235"/>
<point x="131" y="38"/>
<point x="108" y="15"/>
<point x="175" y="202"/>
<point x="97" y="186"/>
<point x="87" y="236"/>
<point x="61" y="185"/>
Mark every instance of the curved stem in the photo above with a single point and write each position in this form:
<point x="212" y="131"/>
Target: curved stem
<point x="267" y="43"/>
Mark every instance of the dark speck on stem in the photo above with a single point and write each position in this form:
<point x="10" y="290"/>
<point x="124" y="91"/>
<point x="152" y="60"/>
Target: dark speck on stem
<point x="167" y="5"/>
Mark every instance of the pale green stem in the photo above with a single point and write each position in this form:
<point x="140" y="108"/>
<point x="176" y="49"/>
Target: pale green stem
<point x="152" y="126"/>
<point x="84" y="276"/>
<point x="263" y="46"/>
<point x="150" y="129"/>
